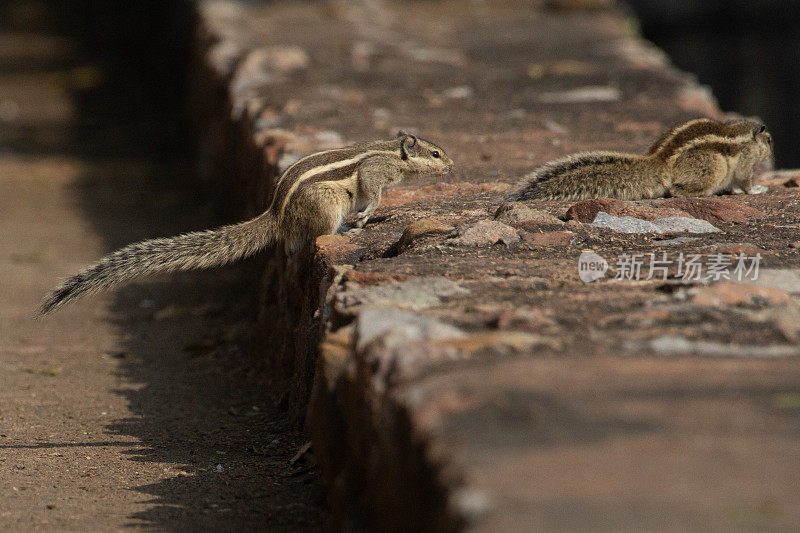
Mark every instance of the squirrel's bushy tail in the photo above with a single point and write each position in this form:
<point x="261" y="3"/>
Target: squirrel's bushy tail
<point x="190" y="251"/>
<point x="592" y="175"/>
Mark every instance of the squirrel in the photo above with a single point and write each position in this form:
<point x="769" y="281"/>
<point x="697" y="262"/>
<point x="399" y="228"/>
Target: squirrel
<point x="312" y="198"/>
<point x="700" y="157"/>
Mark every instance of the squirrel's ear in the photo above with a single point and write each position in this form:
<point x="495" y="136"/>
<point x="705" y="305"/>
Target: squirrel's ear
<point x="408" y="146"/>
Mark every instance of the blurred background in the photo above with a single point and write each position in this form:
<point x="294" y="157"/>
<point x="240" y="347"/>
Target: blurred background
<point x="127" y="86"/>
<point x="747" y="51"/>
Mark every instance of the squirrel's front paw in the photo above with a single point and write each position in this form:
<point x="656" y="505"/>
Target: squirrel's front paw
<point x="757" y="189"/>
<point x="349" y="231"/>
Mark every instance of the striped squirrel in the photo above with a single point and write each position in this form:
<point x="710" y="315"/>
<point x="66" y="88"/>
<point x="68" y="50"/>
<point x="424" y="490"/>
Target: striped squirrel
<point x="312" y="197"/>
<point x="700" y="157"/>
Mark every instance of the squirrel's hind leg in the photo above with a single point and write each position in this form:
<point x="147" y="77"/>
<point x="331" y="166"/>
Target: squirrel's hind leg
<point x="699" y="173"/>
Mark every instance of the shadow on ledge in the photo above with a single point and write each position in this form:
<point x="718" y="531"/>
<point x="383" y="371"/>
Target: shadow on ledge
<point x="229" y="449"/>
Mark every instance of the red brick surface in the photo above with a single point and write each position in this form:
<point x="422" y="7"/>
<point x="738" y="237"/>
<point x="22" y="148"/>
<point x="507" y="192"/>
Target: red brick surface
<point x="469" y="378"/>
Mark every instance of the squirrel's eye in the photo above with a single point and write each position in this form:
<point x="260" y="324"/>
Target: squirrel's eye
<point x="435" y="154"/>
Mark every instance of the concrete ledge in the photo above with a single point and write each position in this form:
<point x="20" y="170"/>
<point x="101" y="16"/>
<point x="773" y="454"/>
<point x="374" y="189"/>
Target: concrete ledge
<point x="463" y="375"/>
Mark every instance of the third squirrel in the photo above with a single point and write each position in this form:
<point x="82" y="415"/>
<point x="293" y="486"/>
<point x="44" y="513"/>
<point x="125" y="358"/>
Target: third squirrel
<point x="700" y="157"/>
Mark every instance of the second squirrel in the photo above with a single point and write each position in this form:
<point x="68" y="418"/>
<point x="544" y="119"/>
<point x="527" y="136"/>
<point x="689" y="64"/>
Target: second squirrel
<point x="700" y="157"/>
